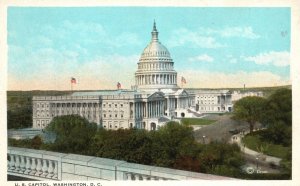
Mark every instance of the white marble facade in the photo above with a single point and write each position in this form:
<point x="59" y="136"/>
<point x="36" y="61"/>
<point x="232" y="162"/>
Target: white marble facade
<point x="155" y="100"/>
<point x="213" y="101"/>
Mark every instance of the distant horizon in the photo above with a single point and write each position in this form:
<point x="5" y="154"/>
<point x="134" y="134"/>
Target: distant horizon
<point x="130" y="89"/>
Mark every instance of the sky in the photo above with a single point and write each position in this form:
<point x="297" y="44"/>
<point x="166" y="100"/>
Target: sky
<point x="100" y="46"/>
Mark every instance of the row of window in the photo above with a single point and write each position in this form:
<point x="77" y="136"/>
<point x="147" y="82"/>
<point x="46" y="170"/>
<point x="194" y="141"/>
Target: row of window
<point x="114" y="125"/>
<point x="110" y="105"/>
<point x="155" y="53"/>
<point x="155" y="66"/>
<point x="53" y="105"/>
<point x="110" y="116"/>
<point x="42" y="123"/>
<point x="209" y="108"/>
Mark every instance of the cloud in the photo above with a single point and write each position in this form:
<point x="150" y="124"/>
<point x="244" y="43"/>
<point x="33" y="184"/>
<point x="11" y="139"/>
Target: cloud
<point x="206" y="79"/>
<point x="280" y="59"/>
<point x="205" y="37"/>
<point x="244" y="32"/>
<point x="229" y="32"/>
<point x="192" y="39"/>
<point x="201" y="58"/>
<point x="50" y="74"/>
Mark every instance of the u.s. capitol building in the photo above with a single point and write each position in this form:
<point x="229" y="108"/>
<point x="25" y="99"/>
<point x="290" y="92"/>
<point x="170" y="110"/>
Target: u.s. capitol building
<point x="155" y="99"/>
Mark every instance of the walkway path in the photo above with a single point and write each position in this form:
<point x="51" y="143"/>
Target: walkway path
<point x="262" y="157"/>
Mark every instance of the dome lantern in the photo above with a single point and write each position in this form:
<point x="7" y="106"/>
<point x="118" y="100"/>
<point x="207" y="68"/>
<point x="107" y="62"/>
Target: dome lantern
<point x="154" y="33"/>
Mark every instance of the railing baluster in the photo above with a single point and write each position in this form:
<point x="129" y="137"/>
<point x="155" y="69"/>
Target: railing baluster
<point x="12" y="162"/>
<point x="153" y="178"/>
<point x="55" y="172"/>
<point x="33" y="166"/>
<point x="44" y="168"/>
<point x="17" y="164"/>
<point x="28" y="165"/>
<point x="22" y="164"/>
<point x="136" y="176"/>
<point x="125" y="177"/>
<point x="38" y="167"/>
<point x="50" y="169"/>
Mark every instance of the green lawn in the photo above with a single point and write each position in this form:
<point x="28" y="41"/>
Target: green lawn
<point x="255" y="143"/>
<point x="197" y="121"/>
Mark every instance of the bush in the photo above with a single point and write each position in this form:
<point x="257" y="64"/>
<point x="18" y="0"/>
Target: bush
<point x="73" y="134"/>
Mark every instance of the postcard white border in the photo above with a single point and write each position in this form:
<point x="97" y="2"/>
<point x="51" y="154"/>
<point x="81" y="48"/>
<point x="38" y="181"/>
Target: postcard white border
<point x="295" y="69"/>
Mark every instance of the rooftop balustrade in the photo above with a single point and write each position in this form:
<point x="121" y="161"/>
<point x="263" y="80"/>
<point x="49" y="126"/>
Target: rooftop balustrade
<point x="47" y="165"/>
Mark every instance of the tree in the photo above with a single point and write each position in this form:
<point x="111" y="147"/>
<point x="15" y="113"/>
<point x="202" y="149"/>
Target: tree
<point x="249" y="109"/>
<point x="73" y="133"/>
<point x="277" y="117"/>
<point x="171" y="142"/>
<point x="36" y="142"/>
<point x="278" y="108"/>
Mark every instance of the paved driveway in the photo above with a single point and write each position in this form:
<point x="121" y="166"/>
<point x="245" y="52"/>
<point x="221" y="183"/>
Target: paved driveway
<point x="219" y="131"/>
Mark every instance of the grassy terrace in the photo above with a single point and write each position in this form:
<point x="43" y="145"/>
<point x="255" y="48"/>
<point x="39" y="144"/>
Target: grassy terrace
<point x="255" y="143"/>
<point x="197" y="121"/>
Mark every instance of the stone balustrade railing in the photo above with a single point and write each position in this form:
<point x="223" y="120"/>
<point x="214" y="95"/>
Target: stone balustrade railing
<point x="46" y="165"/>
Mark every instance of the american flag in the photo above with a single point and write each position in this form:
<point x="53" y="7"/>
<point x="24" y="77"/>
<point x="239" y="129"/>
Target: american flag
<point x="118" y="85"/>
<point x="183" y="80"/>
<point x="73" y="80"/>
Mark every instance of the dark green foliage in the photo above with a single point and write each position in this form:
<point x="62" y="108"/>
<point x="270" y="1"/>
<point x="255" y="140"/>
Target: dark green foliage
<point x="172" y="146"/>
<point x="219" y="157"/>
<point x="172" y="141"/>
<point x="249" y="109"/>
<point x="24" y="143"/>
<point x="278" y="117"/>
<point x="19" y="117"/>
<point x="257" y="142"/>
<point x="73" y="134"/>
<point x="278" y="133"/>
<point x="34" y="143"/>
<point x="130" y="144"/>
<point x="268" y="176"/>
<point x="278" y="108"/>
<point x="19" y="107"/>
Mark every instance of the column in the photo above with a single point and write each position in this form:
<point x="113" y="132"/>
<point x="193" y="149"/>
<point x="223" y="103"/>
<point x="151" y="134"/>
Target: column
<point x="140" y="78"/>
<point x="150" y="113"/>
<point x="139" y="108"/>
<point x="154" y="108"/>
<point x="146" y="109"/>
<point x="174" y="79"/>
<point x="157" y="108"/>
<point x="158" y="79"/>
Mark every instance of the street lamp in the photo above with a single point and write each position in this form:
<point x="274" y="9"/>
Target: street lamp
<point x="203" y="137"/>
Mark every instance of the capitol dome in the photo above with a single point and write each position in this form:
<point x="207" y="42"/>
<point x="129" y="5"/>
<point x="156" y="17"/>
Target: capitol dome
<point x="155" y="66"/>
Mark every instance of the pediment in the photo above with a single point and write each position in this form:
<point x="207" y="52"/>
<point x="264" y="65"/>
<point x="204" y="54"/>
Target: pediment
<point x="156" y="95"/>
<point x="182" y="93"/>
